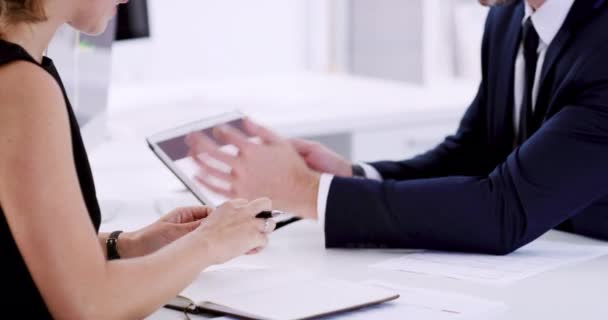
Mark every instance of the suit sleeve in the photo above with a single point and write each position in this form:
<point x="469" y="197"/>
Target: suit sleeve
<point x="458" y="153"/>
<point x="561" y="170"/>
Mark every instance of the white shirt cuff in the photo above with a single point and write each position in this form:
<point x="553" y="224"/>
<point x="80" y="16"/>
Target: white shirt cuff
<point x="324" y="184"/>
<point x="371" y="172"/>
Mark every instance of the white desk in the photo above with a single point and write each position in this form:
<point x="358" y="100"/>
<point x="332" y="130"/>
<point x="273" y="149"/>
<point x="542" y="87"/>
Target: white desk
<point x="574" y="292"/>
<point x="126" y="170"/>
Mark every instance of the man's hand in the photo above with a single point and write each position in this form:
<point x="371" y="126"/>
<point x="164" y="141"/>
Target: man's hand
<point x="320" y="158"/>
<point x="167" y="229"/>
<point x="272" y="168"/>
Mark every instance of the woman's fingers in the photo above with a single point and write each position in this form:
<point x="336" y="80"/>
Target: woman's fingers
<point x="255" y="250"/>
<point x="190" y="214"/>
<point x="190" y="226"/>
<point x="266" y="225"/>
<point x="258" y="205"/>
<point x="186" y="214"/>
<point x="261" y="240"/>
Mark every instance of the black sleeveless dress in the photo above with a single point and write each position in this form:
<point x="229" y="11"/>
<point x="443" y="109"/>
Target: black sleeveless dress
<point x="20" y="294"/>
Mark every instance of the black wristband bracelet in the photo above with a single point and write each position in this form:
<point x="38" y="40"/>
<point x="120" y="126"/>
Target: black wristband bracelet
<point x="112" y="245"/>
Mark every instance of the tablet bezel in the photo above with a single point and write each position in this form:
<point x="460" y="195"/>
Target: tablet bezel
<point x="206" y="123"/>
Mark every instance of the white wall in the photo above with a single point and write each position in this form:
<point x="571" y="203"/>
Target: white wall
<point x="419" y="41"/>
<point x="217" y="38"/>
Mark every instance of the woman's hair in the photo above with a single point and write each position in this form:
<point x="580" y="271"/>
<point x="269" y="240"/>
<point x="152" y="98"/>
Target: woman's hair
<point x="17" y="11"/>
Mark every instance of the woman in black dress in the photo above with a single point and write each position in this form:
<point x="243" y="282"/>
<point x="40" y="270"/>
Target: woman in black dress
<point x="51" y="254"/>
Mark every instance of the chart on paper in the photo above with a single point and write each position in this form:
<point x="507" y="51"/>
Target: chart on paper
<point x="535" y="258"/>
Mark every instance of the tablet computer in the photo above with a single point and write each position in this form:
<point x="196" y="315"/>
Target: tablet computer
<point x="171" y="148"/>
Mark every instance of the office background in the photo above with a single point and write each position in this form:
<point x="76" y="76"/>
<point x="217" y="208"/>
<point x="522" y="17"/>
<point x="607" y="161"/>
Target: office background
<point x="431" y="43"/>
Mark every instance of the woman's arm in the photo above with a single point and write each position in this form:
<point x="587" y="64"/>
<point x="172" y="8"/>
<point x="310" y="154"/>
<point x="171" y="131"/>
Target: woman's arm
<point x="157" y="235"/>
<point x="43" y="204"/>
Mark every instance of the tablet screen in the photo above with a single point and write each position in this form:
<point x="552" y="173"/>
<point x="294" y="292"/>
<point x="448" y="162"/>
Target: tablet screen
<point x="172" y="149"/>
<point x="176" y="148"/>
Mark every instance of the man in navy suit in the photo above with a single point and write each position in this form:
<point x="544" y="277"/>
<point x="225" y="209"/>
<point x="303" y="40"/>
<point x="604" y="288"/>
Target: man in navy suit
<point x="530" y="155"/>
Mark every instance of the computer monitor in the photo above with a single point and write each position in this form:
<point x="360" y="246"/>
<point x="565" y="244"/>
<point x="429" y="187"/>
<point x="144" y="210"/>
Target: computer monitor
<point x="132" y="21"/>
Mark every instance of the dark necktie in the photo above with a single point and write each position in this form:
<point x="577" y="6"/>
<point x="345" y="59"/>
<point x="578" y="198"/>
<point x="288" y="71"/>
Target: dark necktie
<point x="530" y="38"/>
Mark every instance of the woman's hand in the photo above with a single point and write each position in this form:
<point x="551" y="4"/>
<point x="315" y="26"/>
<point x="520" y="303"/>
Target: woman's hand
<point x="233" y="230"/>
<point x="167" y="229"/>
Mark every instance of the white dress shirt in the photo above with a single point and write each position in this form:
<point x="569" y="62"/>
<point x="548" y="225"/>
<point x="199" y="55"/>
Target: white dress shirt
<point x="547" y="21"/>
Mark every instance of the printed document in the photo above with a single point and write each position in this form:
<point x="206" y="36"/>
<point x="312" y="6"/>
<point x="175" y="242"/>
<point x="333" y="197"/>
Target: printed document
<point x="537" y="257"/>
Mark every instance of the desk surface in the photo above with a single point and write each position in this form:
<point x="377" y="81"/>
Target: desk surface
<point x="571" y="292"/>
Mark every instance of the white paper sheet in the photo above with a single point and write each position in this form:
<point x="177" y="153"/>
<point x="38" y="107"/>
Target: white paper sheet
<point x="535" y="258"/>
<point x="416" y="303"/>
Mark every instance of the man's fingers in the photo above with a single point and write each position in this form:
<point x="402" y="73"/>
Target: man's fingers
<point x="304" y="147"/>
<point x="230" y="135"/>
<point x="210" y="170"/>
<point x="260" y="131"/>
<point x="228" y="193"/>
<point x="200" y="144"/>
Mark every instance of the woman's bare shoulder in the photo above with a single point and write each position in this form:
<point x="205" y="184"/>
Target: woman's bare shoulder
<point x="25" y="85"/>
<point x="28" y="95"/>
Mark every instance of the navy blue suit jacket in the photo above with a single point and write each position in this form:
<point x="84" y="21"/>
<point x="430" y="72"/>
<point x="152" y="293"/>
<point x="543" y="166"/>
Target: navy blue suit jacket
<point x="475" y="191"/>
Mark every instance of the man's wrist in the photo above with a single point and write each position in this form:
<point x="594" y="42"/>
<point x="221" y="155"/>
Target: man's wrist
<point x="349" y="170"/>
<point x="311" y="191"/>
